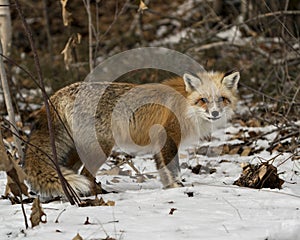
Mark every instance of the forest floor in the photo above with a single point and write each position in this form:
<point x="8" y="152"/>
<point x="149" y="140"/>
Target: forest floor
<point x="264" y="133"/>
<point x="208" y="207"/>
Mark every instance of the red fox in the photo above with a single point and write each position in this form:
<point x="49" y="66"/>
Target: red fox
<point x="186" y="109"/>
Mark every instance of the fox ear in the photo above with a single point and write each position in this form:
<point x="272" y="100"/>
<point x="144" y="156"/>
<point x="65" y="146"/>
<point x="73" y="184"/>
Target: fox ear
<point x="191" y="82"/>
<point x="231" y="79"/>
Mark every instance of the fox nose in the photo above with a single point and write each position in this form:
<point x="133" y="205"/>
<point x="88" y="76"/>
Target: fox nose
<point x="215" y="113"/>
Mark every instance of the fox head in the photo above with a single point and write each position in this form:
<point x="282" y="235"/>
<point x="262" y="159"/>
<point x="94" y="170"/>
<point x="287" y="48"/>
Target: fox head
<point x="211" y="96"/>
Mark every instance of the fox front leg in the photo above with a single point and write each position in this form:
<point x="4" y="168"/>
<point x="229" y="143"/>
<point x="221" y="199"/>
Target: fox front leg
<point x="167" y="164"/>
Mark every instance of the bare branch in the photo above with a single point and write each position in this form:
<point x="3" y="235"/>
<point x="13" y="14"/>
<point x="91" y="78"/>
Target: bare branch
<point x="67" y="189"/>
<point x="9" y="106"/>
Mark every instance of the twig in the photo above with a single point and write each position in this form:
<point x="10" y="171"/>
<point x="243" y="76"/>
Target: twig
<point x="225" y="228"/>
<point x="266" y="95"/>
<point x="38" y="85"/>
<point x="285" y="160"/>
<point x="87" y="5"/>
<point x="272" y="14"/>
<point x="23" y="210"/>
<point x="9" y="106"/>
<point x="275" y="61"/>
<point x="293" y="100"/>
<point x="295" y="133"/>
<point x="56" y="221"/>
<point x="238" y="212"/>
<point x="66" y="188"/>
<point x="47" y="28"/>
<point x="160" y="14"/>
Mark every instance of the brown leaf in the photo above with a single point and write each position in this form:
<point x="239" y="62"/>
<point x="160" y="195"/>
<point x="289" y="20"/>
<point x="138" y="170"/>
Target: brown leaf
<point x="37" y="213"/>
<point x="172" y="210"/>
<point x="142" y="7"/>
<point x="242" y="123"/>
<point x="226" y="149"/>
<point x="15" y="174"/>
<point x="277" y="147"/>
<point x="263" y="175"/>
<point x="190" y="194"/>
<point x="196" y="169"/>
<point x="112" y="171"/>
<point x="253" y="123"/>
<point x="87" y="222"/>
<point x="262" y="171"/>
<point x="253" y="134"/>
<point x="14" y="185"/>
<point x="77" y="237"/>
<point x="5" y="163"/>
<point x="115" y="180"/>
<point x="141" y="179"/>
<point x="246" y="151"/>
<point x="73" y="41"/>
<point x="96" y="202"/>
<point x="66" y="15"/>
<point x="234" y="150"/>
<point x="110" y="203"/>
<point x="239" y="135"/>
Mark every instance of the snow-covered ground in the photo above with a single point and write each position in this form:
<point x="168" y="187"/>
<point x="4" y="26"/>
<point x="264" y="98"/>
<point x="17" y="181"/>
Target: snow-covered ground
<point x="216" y="210"/>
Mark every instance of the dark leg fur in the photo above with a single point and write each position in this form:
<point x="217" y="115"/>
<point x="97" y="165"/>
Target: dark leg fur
<point x="167" y="163"/>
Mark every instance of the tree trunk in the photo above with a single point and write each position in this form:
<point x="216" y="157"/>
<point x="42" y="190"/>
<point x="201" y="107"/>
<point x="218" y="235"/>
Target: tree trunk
<point x="5" y="27"/>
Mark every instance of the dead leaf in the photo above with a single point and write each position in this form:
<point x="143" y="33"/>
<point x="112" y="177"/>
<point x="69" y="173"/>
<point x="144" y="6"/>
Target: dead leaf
<point x="37" y="213"/>
<point x="73" y="41"/>
<point x="142" y="7"/>
<point x="253" y="134"/>
<point x="262" y="172"/>
<point x="141" y="179"/>
<point x="246" y="151"/>
<point x="253" y="123"/>
<point x="5" y="163"/>
<point x="110" y="203"/>
<point x="112" y="171"/>
<point x="225" y="161"/>
<point x="196" y="169"/>
<point x="258" y="176"/>
<point x="87" y="222"/>
<point x="190" y="194"/>
<point x="14" y="185"/>
<point x="277" y="147"/>
<point x="66" y="15"/>
<point x="77" y="237"/>
<point x="109" y="238"/>
<point x="234" y="150"/>
<point x="239" y="135"/>
<point x="172" y="210"/>
<point x="96" y="202"/>
<point x="15" y="174"/>
<point x="226" y="149"/>
<point x="241" y="122"/>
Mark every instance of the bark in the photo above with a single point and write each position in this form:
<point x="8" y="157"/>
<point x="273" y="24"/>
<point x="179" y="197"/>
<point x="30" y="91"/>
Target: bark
<point x="5" y="26"/>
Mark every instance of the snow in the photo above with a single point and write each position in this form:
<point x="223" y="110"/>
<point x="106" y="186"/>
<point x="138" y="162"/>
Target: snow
<point x="174" y="38"/>
<point x="215" y="212"/>
<point x="217" y="209"/>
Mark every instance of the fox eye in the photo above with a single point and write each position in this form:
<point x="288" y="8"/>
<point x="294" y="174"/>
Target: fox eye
<point x="201" y="101"/>
<point x="221" y="99"/>
<point x="204" y="100"/>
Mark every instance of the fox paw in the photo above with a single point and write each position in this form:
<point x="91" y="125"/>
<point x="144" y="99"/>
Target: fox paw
<point x="175" y="184"/>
